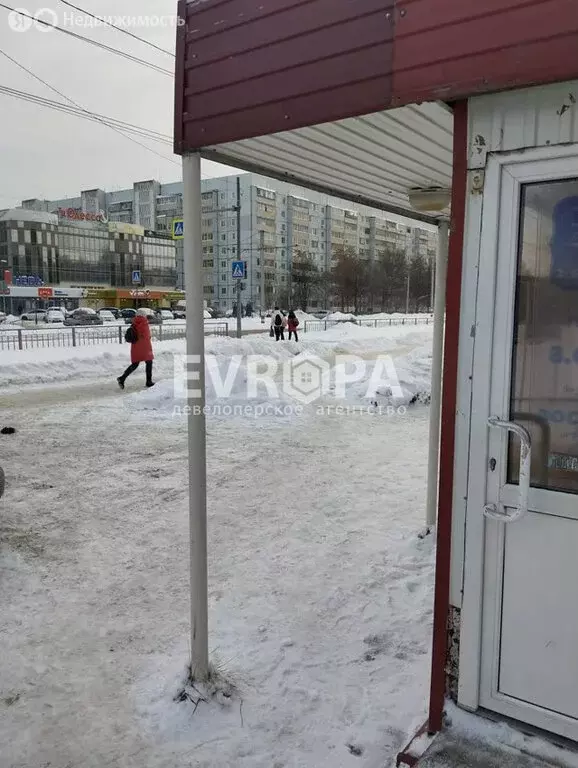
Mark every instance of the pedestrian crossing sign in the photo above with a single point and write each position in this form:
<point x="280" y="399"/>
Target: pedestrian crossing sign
<point x="178" y="229"/>
<point x="238" y="270"/>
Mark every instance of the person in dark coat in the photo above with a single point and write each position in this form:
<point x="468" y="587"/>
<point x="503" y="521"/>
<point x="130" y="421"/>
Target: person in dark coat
<point x="292" y="323"/>
<point x="141" y="351"/>
<point x="278" y="322"/>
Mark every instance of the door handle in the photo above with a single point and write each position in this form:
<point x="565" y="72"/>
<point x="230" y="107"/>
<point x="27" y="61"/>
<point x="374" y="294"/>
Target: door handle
<point x="498" y="511"/>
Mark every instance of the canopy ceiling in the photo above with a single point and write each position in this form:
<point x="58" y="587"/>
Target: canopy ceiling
<point x="374" y="160"/>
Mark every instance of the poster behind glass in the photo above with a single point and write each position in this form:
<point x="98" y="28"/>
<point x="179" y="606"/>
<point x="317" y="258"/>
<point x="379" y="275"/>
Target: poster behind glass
<point x="544" y="390"/>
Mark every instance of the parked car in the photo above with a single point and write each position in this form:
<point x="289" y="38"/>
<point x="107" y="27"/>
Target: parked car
<point x="54" y="316"/>
<point x="165" y="314"/>
<point x="3" y="317"/>
<point x="153" y="317"/>
<point x="321" y="314"/>
<point x="115" y="311"/>
<point x="106" y="316"/>
<point x="34" y="315"/>
<point x="83" y="316"/>
<point x="179" y="314"/>
<point x="127" y="314"/>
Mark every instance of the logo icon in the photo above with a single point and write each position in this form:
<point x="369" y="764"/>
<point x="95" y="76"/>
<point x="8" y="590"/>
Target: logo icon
<point x="306" y="379"/>
<point x="19" y="20"/>
<point x="45" y="20"/>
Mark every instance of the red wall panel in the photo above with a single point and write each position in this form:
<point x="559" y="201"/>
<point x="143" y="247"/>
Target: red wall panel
<point x="450" y="49"/>
<point x="251" y="67"/>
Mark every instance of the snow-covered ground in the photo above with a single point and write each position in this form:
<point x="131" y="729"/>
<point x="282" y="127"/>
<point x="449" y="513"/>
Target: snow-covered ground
<point x="320" y="588"/>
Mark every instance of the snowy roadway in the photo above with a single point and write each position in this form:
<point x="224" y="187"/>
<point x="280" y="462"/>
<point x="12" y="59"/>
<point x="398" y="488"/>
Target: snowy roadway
<point x="320" y="589"/>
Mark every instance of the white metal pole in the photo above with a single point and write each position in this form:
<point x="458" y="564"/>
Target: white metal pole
<point x="192" y="251"/>
<point x="436" y="372"/>
<point x="407" y="289"/>
<point x="239" y="258"/>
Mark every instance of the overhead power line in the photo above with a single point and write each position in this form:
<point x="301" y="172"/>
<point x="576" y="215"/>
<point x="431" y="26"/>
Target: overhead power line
<point x="86" y="111"/>
<point x="84" y="39"/>
<point x="82" y="113"/>
<point x="115" y="26"/>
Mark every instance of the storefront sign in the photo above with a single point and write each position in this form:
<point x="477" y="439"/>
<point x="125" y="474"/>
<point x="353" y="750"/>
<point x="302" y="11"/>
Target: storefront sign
<point x="28" y="280"/>
<point x="69" y="293"/>
<point x="79" y="215"/>
<point x="44" y="292"/>
<point x="140" y="293"/>
<point x="175" y="295"/>
<point x="125" y="229"/>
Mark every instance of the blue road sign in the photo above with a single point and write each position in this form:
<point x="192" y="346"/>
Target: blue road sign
<point x="178" y="229"/>
<point x="136" y="275"/>
<point x="238" y="270"/>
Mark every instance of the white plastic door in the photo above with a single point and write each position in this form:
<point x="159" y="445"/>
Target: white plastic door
<point x="526" y="392"/>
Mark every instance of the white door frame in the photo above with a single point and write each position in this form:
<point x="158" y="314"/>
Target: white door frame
<point x="505" y="174"/>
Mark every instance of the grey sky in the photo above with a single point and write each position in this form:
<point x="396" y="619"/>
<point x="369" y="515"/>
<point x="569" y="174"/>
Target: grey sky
<point x="47" y="154"/>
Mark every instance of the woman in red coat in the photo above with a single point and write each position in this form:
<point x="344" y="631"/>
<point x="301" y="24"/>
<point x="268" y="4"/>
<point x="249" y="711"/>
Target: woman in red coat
<point x="141" y="350"/>
<point x="292" y="323"/>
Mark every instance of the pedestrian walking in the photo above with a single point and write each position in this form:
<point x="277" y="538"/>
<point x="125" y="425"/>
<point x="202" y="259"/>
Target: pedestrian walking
<point x="278" y="322"/>
<point x="292" y="323"/>
<point x="141" y="348"/>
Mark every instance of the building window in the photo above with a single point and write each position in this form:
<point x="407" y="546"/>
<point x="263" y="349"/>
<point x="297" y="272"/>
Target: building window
<point x="223" y="290"/>
<point x="14" y="235"/>
<point x="223" y="264"/>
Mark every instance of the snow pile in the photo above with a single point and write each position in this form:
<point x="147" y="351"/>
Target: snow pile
<point x="390" y="356"/>
<point x="305" y="317"/>
<point x="388" y="315"/>
<point x="57" y="365"/>
<point x="341" y="317"/>
<point x="13" y="320"/>
<point x="231" y="364"/>
<point x="391" y="368"/>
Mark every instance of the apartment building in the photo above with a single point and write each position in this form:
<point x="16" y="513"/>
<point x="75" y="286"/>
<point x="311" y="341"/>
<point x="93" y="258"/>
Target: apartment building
<point x="278" y="223"/>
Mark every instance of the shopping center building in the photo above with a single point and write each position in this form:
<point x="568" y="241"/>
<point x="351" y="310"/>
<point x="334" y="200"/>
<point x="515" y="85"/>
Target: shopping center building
<point x="77" y="258"/>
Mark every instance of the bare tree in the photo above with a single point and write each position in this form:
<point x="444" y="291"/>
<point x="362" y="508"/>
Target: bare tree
<point x="420" y="283"/>
<point x="305" y="280"/>
<point x="350" y="278"/>
<point x="389" y="277"/>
